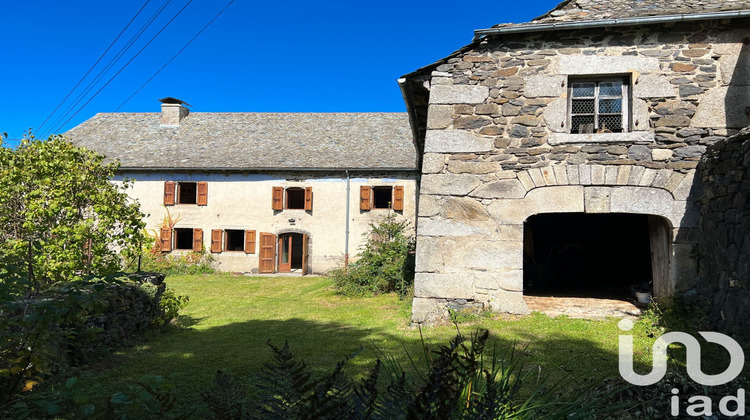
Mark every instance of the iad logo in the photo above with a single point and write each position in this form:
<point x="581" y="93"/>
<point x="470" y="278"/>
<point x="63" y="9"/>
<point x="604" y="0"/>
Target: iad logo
<point x="703" y="404"/>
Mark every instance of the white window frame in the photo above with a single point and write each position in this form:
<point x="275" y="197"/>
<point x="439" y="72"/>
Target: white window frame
<point x="625" y="112"/>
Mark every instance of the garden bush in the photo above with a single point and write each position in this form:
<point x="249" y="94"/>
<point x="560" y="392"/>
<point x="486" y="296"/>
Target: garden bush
<point x="385" y="263"/>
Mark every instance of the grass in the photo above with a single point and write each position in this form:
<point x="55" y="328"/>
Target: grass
<point x="230" y="319"/>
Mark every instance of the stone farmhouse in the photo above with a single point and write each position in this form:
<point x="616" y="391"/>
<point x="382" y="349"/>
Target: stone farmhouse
<point x="562" y="156"/>
<point x="262" y="193"/>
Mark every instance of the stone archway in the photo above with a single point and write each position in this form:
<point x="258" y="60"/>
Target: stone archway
<point x="470" y="239"/>
<point x="592" y="200"/>
<point x="294" y="250"/>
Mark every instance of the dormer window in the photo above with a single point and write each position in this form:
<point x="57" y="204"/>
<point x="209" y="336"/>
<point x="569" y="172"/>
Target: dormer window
<point x="598" y="106"/>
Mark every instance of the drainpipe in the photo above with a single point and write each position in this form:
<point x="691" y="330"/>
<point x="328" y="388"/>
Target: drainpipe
<point x="346" y="238"/>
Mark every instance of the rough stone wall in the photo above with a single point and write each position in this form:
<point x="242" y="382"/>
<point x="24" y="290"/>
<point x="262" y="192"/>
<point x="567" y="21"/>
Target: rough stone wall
<point x="724" y="248"/>
<point x="496" y="130"/>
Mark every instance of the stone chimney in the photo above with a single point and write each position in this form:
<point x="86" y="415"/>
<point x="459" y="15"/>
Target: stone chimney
<point x="173" y="111"/>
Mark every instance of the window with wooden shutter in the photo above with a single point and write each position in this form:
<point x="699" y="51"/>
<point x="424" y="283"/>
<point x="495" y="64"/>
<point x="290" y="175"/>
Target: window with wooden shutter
<point x="166" y="239"/>
<point x="169" y="187"/>
<point x="398" y="198"/>
<point x="202" y="194"/>
<point x="234" y="240"/>
<point x="364" y="197"/>
<point x="295" y="198"/>
<point x="215" y="240"/>
<point x="382" y="198"/>
<point x="308" y="198"/>
<point x="187" y="193"/>
<point x="278" y="198"/>
<point x="197" y="240"/>
<point x="249" y="242"/>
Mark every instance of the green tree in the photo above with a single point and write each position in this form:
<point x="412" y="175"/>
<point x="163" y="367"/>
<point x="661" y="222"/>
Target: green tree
<point x="61" y="216"/>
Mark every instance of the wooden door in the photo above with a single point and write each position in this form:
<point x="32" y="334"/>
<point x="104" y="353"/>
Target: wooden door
<point x="285" y="253"/>
<point x="661" y="255"/>
<point x="267" y="260"/>
<point x="304" y="254"/>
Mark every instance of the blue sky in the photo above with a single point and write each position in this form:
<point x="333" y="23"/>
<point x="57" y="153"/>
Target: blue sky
<point x="269" y="56"/>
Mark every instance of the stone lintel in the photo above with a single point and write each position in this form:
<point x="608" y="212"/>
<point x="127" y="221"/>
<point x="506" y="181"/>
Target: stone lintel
<point x="597" y="64"/>
<point x="597" y="199"/>
<point x="643" y="200"/>
<point x="637" y="137"/>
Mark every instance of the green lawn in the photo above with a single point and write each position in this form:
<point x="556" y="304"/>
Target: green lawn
<point x="230" y="318"/>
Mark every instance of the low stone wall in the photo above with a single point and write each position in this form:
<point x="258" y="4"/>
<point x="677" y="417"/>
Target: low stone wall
<point x="131" y="308"/>
<point x="725" y="221"/>
<point x="123" y="309"/>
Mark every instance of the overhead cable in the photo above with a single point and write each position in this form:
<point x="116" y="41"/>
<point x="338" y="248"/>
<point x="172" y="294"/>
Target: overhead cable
<point x="93" y="66"/>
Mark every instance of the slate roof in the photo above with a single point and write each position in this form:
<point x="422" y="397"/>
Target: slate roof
<point x="592" y="10"/>
<point x="248" y="141"/>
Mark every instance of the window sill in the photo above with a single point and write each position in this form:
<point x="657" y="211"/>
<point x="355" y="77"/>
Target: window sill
<point x="638" y="137"/>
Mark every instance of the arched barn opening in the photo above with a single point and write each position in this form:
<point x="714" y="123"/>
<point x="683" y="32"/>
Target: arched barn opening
<point x="595" y="255"/>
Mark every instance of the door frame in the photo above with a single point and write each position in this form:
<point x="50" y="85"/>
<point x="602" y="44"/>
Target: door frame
<point x="286" y="238"/>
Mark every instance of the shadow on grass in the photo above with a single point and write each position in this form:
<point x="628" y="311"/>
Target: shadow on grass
<point x="192" y="356"/>
<point x="187" y="321"/>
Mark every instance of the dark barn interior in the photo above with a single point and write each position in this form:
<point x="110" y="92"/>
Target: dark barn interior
<point x="586" y="255"/>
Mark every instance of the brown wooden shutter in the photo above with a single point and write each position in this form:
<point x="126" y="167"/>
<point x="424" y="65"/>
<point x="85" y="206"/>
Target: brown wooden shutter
<point x="398" y="198"/>
<point x="202" y="194"/>
<point x="308" y="198"/>
<point x="169" y="187"/>
<point x="278" y="198"/>
<point x="267" y="262"/>
<point x="249" y="242"/>
<point x="216" y="240"/>
<point x="197" y="240"/>
<point x="364" y="197"/>
<point x="166" y="239"/>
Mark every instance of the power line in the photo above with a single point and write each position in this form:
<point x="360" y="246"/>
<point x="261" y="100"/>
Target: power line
<point x="162" y="67"/>
<point x="93" y="66"/>
<point x="90" y="86"/>
<point x="126" y="64"/>
<point x="175" y="56"/>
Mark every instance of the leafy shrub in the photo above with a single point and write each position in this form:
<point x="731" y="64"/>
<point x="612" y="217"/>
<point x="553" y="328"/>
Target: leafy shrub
<point x="38" y="328"/>
<point x="385" y="263"/>
<point x="69" y="400"/>
<point x="68" y="323"/>
<point x="188" y="263"/>
<point x="172" y="303"/>
<point x="676" y="313"/>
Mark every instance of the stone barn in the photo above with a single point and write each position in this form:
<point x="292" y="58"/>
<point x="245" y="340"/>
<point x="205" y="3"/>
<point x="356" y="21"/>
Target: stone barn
<point x="559" y="156"/>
